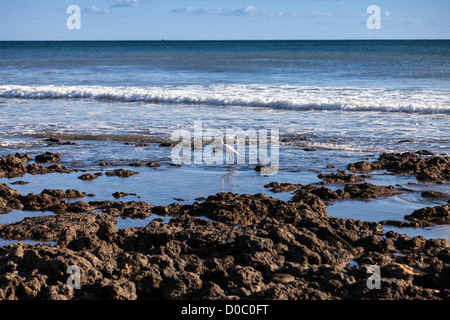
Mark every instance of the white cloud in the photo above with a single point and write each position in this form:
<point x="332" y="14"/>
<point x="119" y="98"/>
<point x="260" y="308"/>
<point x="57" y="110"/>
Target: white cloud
<point x="387" y="14"/>
<point x="244" y="11"/>
<point x="95" y="9"/>
<point x="320" y="14"/>
<point x="126" y="3"/>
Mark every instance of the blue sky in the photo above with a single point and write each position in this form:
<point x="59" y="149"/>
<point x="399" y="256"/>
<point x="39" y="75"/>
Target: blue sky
<point x="223" y="19"/>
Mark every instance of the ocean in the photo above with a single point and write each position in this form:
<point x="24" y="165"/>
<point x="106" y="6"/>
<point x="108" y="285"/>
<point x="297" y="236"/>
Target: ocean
<point x="333" y="102"/>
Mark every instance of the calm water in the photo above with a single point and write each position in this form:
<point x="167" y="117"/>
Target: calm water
<point x="412" y="65"/>
<point x="349" y="100"/>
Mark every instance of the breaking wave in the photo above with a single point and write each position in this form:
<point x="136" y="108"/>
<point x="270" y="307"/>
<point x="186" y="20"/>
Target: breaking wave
<point x="271" y="96"/>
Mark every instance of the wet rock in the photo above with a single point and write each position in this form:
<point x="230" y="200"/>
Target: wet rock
<point x="258" y="248"/>
<point x="90" y="176"/>
<point x="61" y="194"/>
<point x="367" y="190"/>
<point x="50" y="200"/>
<point x="364" y="166"/>
<point x="122" y="194"/>
<point x="167" y="144"/>
<point x="39" y="169"/>
<point x="340" y="177"/>
<point x="435" y="195"/>
<point x="152" y="164"/>
<point x="244" y="209"/>
<point x="174" y="164"/>
<point x="407" y="140"/>
<point x="105" y="164"/>
<point x="9" y="199"/>
<point x="282" y="187"/>
<point x="405" y="224"/>
<point x="144" y="164"/>
<point x="131" y="209"/>
<point x="68" y="143"/>
<point x="320" y="192"/>
<point x="13" y="166"/>
<point x="122" y="173"/>
<point x="426" y="165"/>
<point x="265" y="170"/>
<point x="50" y="228"/>
<point x="438" y="214"/>
<point x="19" y="182"/>
<point x="48" y="157"/>
<point x="137" y="164"/>
<point x="53" y="139"/>
<point x="351" y="191"/>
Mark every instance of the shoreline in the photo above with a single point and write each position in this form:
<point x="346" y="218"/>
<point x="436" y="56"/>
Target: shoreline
<point x="221" y="246"/>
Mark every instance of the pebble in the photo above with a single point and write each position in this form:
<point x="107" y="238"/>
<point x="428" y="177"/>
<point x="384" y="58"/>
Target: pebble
<point x="283" y="278"/>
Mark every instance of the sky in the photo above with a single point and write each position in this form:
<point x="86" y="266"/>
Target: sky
<point x="223" y="19"/>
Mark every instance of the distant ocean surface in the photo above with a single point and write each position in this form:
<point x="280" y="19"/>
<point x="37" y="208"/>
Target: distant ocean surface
<point x="390" y="75"/>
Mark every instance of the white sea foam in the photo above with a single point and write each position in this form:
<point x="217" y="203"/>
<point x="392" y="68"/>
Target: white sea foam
<point x="287" y="97"/>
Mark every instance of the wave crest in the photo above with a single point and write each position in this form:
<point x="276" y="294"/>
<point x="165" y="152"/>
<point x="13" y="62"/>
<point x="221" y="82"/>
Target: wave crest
<point x="271" y="96"/>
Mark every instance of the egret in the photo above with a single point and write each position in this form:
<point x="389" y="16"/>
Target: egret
<point x="229" y="150"/>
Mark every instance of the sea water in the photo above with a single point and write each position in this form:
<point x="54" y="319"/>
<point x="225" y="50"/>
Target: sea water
<point x="344" y="100"/>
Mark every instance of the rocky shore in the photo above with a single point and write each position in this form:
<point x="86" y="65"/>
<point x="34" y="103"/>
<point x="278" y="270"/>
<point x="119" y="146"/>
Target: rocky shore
<point x="226" y="246"/>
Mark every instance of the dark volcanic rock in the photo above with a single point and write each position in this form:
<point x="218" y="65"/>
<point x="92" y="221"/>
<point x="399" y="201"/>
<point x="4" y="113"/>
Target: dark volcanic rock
<point x="90" y="176"/>
<point x="406" y="140"/>
<point x="53" y="139"/>
<point x="167" y="144"/>
<point x="236" y="209"/>
<point x="152" y="164"/>
<point x="405" y="224"/>
<point x="48" y="157"/>
<point x="122" y="173"/>
<point x="364" y="166"/>
<point x="439" y="214"/>
<point x="367" y="190"/>
<point x="105" y="164"/>
<point x="9" y="199"/>
<point x="351" y="191"/>
<point x="47" y="200"/>
<point x="282" y="187"/>
<point x="61" y="194"/>
<point x="122" y="194"/>
<point x="52" y="227"/>
<point x="426" y="165"/>
<point x="19" y="182"/>
<point x="39" y="169"/>
<point x="145" y="164"/>
<point x="13" y="166"/>
<point x="436" y="195"/>
<point x="340" y="177"/>
<point x="132" y="209"/>
<point x="263" y="248"/>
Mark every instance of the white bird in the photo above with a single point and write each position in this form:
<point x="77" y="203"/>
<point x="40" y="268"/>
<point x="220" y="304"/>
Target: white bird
<point x="229" y="150"/>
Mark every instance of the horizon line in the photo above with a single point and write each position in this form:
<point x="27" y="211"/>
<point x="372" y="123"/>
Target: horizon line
<point x="162" y="40"/>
